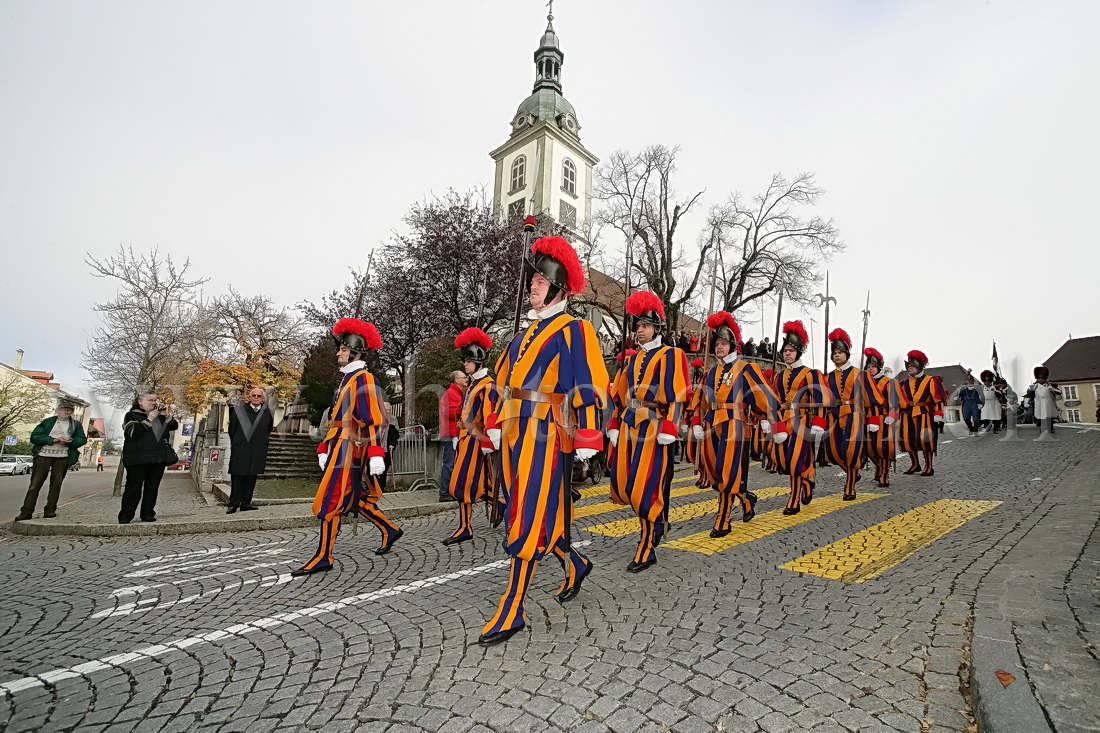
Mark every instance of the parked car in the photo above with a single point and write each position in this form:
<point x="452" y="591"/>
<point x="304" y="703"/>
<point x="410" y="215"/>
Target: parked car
<point x="28" y="462"/>
<point x="182" y="465"/>
<point x="11" y="466"/>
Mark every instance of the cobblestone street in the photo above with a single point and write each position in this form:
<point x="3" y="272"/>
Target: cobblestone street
<point x="850" y="616"/>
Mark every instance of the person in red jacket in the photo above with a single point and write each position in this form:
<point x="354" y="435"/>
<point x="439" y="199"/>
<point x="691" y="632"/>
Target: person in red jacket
<point x="450" y="407"/>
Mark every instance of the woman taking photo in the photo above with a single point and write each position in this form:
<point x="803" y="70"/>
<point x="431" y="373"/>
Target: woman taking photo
<point x="145" y="453"/>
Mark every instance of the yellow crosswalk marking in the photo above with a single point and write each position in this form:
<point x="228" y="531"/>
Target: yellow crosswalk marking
<point x="589" y="491"/>
<point x="609" y="506"/>
<point x="623" y="527"/>
<point x="870" y="552"/>
<point x="765" y="524"/>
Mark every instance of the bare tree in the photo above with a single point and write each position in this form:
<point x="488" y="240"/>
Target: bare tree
<point x="767" y="246"/>
<point x="155" y="314"/>
<point x="639" y="201"/>
<point x="20" y="401"/>
<point x="266" y="336"/>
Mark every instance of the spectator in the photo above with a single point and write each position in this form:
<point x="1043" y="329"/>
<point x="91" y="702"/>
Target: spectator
<point x="693" y="342"/>
<point x="683" y="342"/>
<point x="250" y="429"/>
<point x="972" y="401"/>
<point x="765" y="349"/>
<point x="450" y="407"/>
<point x="749" y="347"/>
<point x="99" y="463"/>
<point x="146" y="451"/>
<point x="55" y="446"/>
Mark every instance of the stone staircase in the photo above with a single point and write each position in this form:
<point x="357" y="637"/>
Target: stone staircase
<point x="291" y="456"/>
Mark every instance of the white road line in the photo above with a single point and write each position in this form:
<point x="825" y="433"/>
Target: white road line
<point x="279" y="619"/>
<point x="141" y="606"/>
<point x="211" y="551"/>
<point x="186" y="566"/>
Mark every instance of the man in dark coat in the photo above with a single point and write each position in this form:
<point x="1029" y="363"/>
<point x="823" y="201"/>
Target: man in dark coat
<point x="250" y="428"/>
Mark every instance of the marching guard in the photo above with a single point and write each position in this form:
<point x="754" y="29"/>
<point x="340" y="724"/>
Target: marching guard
<point x="649" y="395"/>
<point x="693" y="447"/>
<point x="732" y="391"/>
<point x="357" y="434"/>
<point x="994" y="397"/>
<point x="803" y="394"/>
<point x="853" y="394"/>
<point x="924" y="397"/>
<point x="472" y="475"/>
<point x="881" y="417"/>
<point x="552" y="385"/>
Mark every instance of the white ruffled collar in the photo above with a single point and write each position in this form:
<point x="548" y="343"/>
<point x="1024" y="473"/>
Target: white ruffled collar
<point x="547" y="312"/>
<point x="353" y="366"/>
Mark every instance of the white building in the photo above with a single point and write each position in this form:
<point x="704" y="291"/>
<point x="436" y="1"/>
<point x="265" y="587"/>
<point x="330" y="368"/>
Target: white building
<point x="543" y="169"/>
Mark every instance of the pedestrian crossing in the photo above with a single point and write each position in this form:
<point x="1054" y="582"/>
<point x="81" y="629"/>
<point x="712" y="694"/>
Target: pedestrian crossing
<point x="856" y="558"/>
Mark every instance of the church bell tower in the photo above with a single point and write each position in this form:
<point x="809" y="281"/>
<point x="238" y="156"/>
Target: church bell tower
<point x="543" y="169"/>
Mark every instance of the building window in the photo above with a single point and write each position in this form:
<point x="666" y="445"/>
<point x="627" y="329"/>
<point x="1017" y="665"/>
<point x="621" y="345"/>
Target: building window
<point x="1069" y="392"/>
<point x="567" y="215"/>
<point x="519" y="172"/>
<point x="516" y="209"/>
<point x="1073" y="416"/>
<point x="569" y="176"/>
<point x="1096" y="391"/>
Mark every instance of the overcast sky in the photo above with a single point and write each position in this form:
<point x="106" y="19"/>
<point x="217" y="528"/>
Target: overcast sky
<point x="276" y="143"/>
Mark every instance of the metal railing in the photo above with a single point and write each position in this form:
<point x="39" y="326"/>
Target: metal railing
<point x="410" y="458"/>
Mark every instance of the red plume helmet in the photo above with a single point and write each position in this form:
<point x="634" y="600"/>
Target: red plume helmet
<point x="558" y="249"/>
<point x="919" y="356"/>
<point x="796" y="329"/>
<point x="642" y="302"/>
<point x="725" y="327"/>
<point x="367" y="334"/>
<point x="697" y="362"/>
<point x="839" y="334"/>
<point x="874" y="354"/>
<point x="473" y="336"/>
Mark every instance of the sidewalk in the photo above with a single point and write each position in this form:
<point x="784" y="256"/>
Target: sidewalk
<point x="1036" y="616"/>
<point x="183" y="509"/>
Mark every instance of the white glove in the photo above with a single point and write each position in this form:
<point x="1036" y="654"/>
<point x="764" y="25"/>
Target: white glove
<point x="872" y="428"/>
<point x="765" y="426"/>
<point x="454" y="443"/>
<point x="586" y="453"/>
<point x="486" y="451"/>
<point x="377" y="466"/>
<point x="697" y="431"/>
<point x="494" y="435"/>
<point x="779" y="437"/>
<point x="937" y="418"/>
<point x="665" y="439"/>
<point x="322" y="460"/>
<point x="613" y="436"/>
<point x="817" y="430"/>
<point x="889" y="420"/>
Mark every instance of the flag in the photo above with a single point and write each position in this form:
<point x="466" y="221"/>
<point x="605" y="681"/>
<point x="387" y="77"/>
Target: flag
<point x="996" y="361"/>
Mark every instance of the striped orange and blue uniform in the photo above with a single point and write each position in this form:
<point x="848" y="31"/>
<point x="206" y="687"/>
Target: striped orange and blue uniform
<point x="559" y="357"/>
<point x="693" y="448"/>
<point x="359" y="426"/>
<point x="804" y="394"/>
<point x="924" y="397"/>
<point x="472" y="471"/>
<point x="854" y="393"/>
<point x="649" y="394"/>
<point x="881" y="444"/>
<point x="730" y="395"/>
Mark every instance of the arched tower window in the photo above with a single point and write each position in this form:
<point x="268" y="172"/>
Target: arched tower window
<point x="569" y="176"/>
<point x="519" y="172"/>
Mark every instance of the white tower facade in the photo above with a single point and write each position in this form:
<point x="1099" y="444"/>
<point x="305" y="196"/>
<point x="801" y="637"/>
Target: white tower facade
<point x="543" y="169"/>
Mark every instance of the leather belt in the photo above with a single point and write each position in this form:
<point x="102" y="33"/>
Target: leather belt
<point x="636" y="404"/>
<point x="531" y="395"/>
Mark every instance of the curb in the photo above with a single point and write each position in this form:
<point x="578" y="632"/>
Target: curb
<point x="221" y="494"/>
<point x="996" y="707"/>
<point x="146" y="529"/>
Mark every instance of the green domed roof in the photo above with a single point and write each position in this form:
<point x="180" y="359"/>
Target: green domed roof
<point x="546" y="105"/>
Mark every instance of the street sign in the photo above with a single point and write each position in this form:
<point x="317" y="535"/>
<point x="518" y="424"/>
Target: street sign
<point x="215" y="455"/>
<point x="188" y="428"/>
<point x="11" y="440"/>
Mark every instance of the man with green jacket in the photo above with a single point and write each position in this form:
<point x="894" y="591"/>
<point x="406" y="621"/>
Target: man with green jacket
<point x="56" y="443"/>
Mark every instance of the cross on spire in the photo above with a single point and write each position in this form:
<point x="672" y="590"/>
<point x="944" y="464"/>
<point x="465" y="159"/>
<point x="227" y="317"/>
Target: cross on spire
<point x="550" y="15"/>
